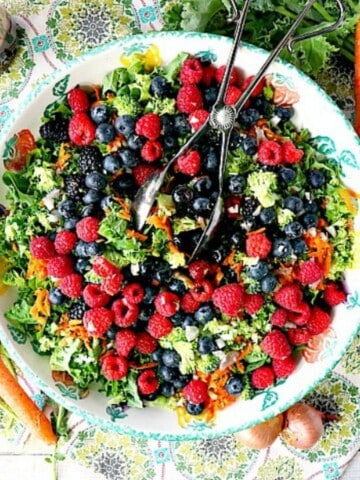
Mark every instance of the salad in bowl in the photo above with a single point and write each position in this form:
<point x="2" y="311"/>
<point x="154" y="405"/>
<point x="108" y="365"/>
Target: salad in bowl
<point x="118" y="320"/>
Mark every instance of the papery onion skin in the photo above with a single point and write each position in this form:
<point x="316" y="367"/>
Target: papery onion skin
<point x="303" y="426"/>
<point x="262" y="435"/>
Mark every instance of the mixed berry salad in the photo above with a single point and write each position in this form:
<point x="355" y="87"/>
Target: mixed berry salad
<point x="127" y="310"/>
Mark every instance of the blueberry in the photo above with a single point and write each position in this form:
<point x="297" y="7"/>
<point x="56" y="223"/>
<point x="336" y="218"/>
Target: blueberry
<point x="194" y="408"/>
<point x="170" y="358"/>
<point x="105" y="202"/>
<point x="316" y="178"/>
<point x="206" y="345"/>
<point x="203" y="185"/>
<point x="129" y="158"/>
<point x="163" y="272"/>
<point x="111" y="164"/>
<point x="182" y="194"/>
<point x="67" y="209"/>
<point x="281" y="248"/>
<point x="284" y="113"/>
<point x="249" y="145"/>
<point x="94" y="248"/>
<point x="181" y="124"/>
<point x="293" y="230"/>
<point x="80" y="249"/>
<point x="219" y="253"/>
<point x="235" y="140"/>
<point x="167" y="123"/>
<point x="237" y="238"/>
<point x="188" y="321"/>
<point x="211" y="161"/>
<point x="90" y="210"/>
<point x="167" y="389"/>
<point x="145" y="314"/>
<point x="170" y="142"/>
<point x="299" y="246"/>
<point x="234" y="385"/>
<point x="210" y="95"/>
<point x="181" y="381"/>
<point x="249" y="116"/>
<point x="268" y="283"/>
<point x="177" y="319"/>
<point x="135" y="142"/>
<point x="159" y="86"/>
<point x="124" y="183"/>
<point x="150" y="293"/>
<point x="295" y="204"/>
<point x="287" y="174"/>
<point x="177" y="286"/>
<point x="310" y="206"/>
<point x="187" y="240"/>
<point x="125" y="124"/>
<point x="310" y="220"/>
<point x="82" y="266"/>
<point x="95" y="181"/>
<point x="205" y="313"/>
<point x="56" y="297"/>
<point x="111" y="332"/>
<point x="99" y="114"/>
<point x="91" y="196"/>
<point x="268" y="215"/>
<point x="201" y="205"/>
<point x="258" y="271"/>
<point x="157" y="355"/>
<point x="236" y="184"/>
<point x="168" y="373"/>
<point x="105" y="133"/>
<point x="70" y="223"/>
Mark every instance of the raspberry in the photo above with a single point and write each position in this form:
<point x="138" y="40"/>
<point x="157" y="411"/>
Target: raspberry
<point x="103" y="267"/>
<point x="202" y="292"/>
<point x="189" y="163"/>
<point x="276" y="345"/>
<point x="301" y="316"/>
<point x="188" y="303"/>
<point x="149" y="126"/>
<point x="232" y="206"/>
<point x="167" y="303"/>
<point x="125" y="341"/>
<point x="196" y="391"/>
<point x="257" y="245"/>
<point x="147" y="382"/>
<point x="232" y="95"/>
<point x="94" y="296"/>
<point x="71" y="285"/>
<point x="199" y="269"/>
<point x="125" y="313"/>
<point x="198" y="118"/>
<point x="145" y="343"/>
<point x="151" y="151"/>
<point x="262" y="377"/>
<point x="298" y="336"/>
<point x="310" y="272"/>
<point x="159" y="326"/>
<point x="64" y="242"/>
<point x="208" y="75"/>
<point x="279" y="317"/>
<point x="87" y="229"/>
<point x="81" y="129"/>
<point x="220" y="72"/>
<point x="284" y="368"/>
<point x="289" y="296"/>
<point x="133" y="293"/>
<point x="60" y="266"/>
<point x="191" y="72"/>
<point x="141" y="173"/>
<point x="334" y="294"/>
<point x="78" y="100"/>
<point x="229" y="298"/>
<point x="253" y="303"/>
<point x="318" y="322"/>
<point x="257" y="90"/>
<point x="189" y="99"/>
<point x="112" y="283"/>
<point x="114" y="367"/>
<point x="98" y="320"/>
<point x="42" y="248"/>
<point x="270" y="153"/>
<point x="290" y="153"/>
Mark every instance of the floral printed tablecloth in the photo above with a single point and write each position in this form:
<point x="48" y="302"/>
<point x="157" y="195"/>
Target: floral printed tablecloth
<point x="50" y="33"/>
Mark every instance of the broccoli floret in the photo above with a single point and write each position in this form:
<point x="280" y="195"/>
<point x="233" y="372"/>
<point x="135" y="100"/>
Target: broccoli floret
<point x="127" y="105"/>
<point x="177" y="334"/>
<point x="161" y="105"/>
<point x="186" y="352"/>
<point x="46" y="179"/>
<point x="263" y="186"/>
<point x="284" y="216"/>
<point x="207" y="363"/>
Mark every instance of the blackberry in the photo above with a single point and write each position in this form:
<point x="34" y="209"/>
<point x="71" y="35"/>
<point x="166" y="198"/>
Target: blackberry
<point x="249" y="207"/>
<point x="90" y="159"/>
<point x="55" y="130"/>
<point x="77" y="310"/>
<point x="74" y="184"/>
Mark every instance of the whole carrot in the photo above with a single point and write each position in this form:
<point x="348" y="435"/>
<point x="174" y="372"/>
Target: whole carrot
<point x="357" y="78"/>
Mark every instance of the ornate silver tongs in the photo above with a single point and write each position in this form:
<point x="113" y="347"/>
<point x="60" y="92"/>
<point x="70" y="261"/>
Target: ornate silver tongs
<point x="222" y="118"/>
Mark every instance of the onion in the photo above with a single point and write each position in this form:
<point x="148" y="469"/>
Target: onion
<point x="262" y="435"/>
<point x="303" y="426"/>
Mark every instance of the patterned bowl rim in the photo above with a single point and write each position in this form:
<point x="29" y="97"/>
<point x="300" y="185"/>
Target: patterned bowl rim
<point x="50" y="391"/>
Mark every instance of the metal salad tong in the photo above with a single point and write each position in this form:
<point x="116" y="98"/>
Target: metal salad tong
<point x="222" y="118"/>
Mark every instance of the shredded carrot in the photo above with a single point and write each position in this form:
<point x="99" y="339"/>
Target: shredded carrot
<point x="254" y="232"/>
<point x="63" y="157"/>
<point x="134" y="234"/>
<point x="36" y="268"/>
<point x="320" y="249"/>
<point x="41" y="308"/>
<point x="115" y="144"/>
<point x="348" y="199"/>
<point x="357" y="77"/>
<point x="144" y="366"/>
<point x="74" y="329"/>
<point x="125" y="211"/>
<point x="162" y="222"/>
<point x="97" y="92"/>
